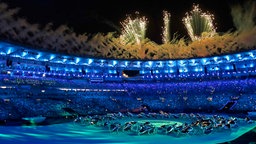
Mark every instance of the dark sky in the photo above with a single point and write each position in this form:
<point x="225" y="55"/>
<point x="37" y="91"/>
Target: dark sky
<point x="105" y="15"/>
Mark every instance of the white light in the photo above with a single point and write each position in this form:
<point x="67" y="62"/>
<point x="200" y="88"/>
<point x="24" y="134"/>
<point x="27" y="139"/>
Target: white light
<point x="24" y="54"/>
<point x="126" y="63"/>
<point x="9" y="51"/>
<point x="64" y="60"/>
<point x="227" y="57"/>
<point x="52" y="57"/>
<point x="90" y="61"/>
<point x="150" y="63"/>
<point x="251" y="54"/>
<point x="204" y="60"/>
<point x="114" y="63"/>
<point x="193" y="61"/>
<point x="38" y="56"/>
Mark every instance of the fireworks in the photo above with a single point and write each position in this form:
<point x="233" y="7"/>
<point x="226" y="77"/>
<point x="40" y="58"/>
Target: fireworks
<point x="134" y="30"/>
<point x="166" y="27"/>
<point x="199" y="24"/>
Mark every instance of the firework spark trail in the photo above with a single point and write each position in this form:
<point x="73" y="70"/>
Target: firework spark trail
<point x="198" y="22"/>
<point x="166" y="27"/>
<point x="134" y="30"/>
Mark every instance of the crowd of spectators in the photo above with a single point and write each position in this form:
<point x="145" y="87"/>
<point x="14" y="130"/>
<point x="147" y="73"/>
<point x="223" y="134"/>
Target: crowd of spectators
<point x="48" y="96"/>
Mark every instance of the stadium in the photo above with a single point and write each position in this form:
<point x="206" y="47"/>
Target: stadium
<point x="39" y="83"/>
<point x="213" y="84"/>
<point x="68" y="97"/>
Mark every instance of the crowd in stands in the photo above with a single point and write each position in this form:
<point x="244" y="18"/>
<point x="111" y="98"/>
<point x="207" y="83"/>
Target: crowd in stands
<point x="47" y="96"/>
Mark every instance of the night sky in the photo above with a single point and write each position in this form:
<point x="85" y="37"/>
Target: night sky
<point x="105" y="15"/>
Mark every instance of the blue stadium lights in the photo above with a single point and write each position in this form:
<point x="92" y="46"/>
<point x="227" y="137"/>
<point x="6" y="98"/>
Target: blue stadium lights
<point x="26" y="59"/>
<point x="90" y="61"/>
<point x="9" y="50"/>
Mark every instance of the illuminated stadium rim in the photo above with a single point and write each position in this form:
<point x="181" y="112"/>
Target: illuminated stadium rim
<point x="243" y="60"/>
